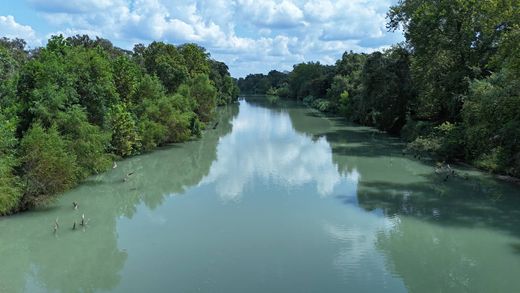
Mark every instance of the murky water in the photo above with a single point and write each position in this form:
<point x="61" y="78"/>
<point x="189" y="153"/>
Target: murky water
<point x="276" y="199"/>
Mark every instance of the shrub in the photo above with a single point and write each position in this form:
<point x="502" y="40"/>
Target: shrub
<point x="49" y="167"/>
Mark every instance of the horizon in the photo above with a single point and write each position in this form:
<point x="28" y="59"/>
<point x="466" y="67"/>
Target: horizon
<point x="247" y="36"/>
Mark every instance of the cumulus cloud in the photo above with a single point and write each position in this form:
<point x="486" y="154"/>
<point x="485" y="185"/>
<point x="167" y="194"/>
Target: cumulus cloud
<point x="11" y="29"/>
<point x="249" y="35"/>
<point x="269" y="13"/>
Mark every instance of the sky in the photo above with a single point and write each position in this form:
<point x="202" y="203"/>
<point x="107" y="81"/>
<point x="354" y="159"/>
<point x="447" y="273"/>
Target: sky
<point x="250" y="36"/>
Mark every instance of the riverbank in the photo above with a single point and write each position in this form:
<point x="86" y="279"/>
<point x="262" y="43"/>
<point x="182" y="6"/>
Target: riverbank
<point x="68" y="111"/>
<point x="422" y="155"/>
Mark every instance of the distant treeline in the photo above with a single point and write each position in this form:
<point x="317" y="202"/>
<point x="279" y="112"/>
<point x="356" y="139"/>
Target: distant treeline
<point x="452" y="89"/>
<point x="68" y="109"/>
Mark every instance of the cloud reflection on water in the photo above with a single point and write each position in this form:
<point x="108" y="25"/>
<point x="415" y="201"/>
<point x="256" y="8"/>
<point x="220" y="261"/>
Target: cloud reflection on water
<point x="264" y="144"/>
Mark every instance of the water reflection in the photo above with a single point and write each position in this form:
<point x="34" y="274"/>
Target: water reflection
<point x="264" y="145"/>
<point x="318" y="206"/>
<point x="32" y="259"/>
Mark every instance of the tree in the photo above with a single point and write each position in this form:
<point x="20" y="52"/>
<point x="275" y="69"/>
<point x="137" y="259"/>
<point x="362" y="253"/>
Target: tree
<point x="227" y="89"/>
<point x="386" y="90"/>
<point x="165" y="61"/>
<point x="10" y="187"/>
<point x="149" y="88"/>
<point x="309" y="79"/>
<point x="338" y="87"/>
<point x="49" y="167"/>
<point x="78" y="101"/>
<point x="125" y="136"/>
<point x="93" y="82"/>
<point x="126" y="77"/>
<point x="204" y="94"/>
<point x="196" y="59"/>
<point x="87" y="142"/>
<point x="453" y="42"/>
<point x="492" y="123"/>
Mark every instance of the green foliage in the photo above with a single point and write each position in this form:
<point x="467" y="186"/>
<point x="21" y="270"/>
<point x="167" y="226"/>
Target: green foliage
<point x="343" y="105"/>
<point x="78" y="101"/>
<point x="424" y="146"/>
<point x="308" y="100"/>
<point x="414" y="129"/>
<point x="322" y="105"/>
<point x="339" y="86"/>
<point x="93" y="82"/>
<point x="260" y="83"/>
<point x="148" y="88"/>
<point x="152" y="134"/>
<point x="49" y="167"/>
<point x="126" y="75"/>
<point x="386" y="90"/>
<point x="227" y="89"/>
<point x="453" y="42"/>
<point x="196" y="59"/>
<point x="272" y="97"/>
<point x="166" y="120"/>
<point x="46" y="87"/>
<point x="165" y="61"/>
<point x="10" y="189"/>
<point x="125" y="137"/>
<point x="204" y="94"/>
<point x="87" y="142"/>
<point x="283" y="91"/>
<point x="491" y="117"/>
<point x="445" y="142"/>
<point x="254" y="84"/>
<point x="309" y="79"/>
<point x="10" y="62"/>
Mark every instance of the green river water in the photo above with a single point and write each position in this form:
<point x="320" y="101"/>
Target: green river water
<point x="275" y="199"/>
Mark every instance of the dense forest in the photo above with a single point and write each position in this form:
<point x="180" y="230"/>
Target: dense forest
<point x="69" y="109"/>
<point x="452" y="89"/>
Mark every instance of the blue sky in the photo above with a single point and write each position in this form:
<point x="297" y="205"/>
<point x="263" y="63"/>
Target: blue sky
<point x="251" y="36"/>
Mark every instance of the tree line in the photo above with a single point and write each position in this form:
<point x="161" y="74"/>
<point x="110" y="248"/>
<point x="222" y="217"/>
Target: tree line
<point x="452" y="89"/>
<point x="67" y="110"/>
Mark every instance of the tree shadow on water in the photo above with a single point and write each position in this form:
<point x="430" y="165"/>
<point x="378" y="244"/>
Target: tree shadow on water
<point x="471" y="202"/>
<point x="516" y="247"/>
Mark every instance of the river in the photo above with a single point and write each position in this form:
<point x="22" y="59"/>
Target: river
<point x="275" y="199"/>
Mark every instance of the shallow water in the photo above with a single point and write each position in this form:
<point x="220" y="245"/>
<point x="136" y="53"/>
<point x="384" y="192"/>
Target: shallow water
<point x="275" y="199"/>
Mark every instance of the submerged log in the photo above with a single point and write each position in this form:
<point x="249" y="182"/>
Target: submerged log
<point x="82" y="223"/>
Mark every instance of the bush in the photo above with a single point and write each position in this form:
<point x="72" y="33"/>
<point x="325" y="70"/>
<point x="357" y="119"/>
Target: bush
<point x="125" y="137"/>
<point x="10" y="189"/>
<point x="414" y="129"/>
<point x="445" y="142"/>
<point x="49" y="167"/>
<point x="88" y="142"/>
<point x="152" y="134"/>
<point x="308" y="100"/>
<point x="491" y="117"/>
<point x="322" y="105"/>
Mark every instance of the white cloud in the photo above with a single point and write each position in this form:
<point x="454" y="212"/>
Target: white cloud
<point x="319" y="10"/>
<point x="269" y="13"/>
<point x="11" y="29"/>
<point x="249" y="35"/>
